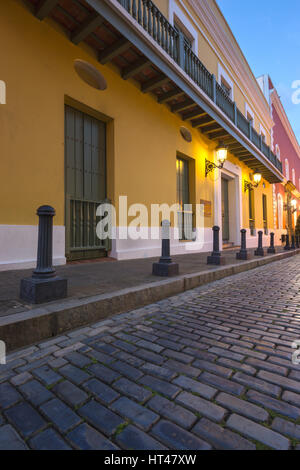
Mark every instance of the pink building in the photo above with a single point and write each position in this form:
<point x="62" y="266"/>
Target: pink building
<point x="286" y="195"/>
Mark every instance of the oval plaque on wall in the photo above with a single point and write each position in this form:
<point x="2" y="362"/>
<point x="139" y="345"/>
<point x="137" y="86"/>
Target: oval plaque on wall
<point x="186" y="134"/>
<point x="90" y="75"/>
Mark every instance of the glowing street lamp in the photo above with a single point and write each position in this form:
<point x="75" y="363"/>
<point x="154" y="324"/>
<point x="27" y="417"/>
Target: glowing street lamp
<point x="256" y="181"/>
<point x="256" y="178"/>
<point x="221" y="152"/>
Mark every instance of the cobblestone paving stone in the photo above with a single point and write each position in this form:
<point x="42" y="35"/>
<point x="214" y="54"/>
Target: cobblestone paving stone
<point x="207" y="369"/>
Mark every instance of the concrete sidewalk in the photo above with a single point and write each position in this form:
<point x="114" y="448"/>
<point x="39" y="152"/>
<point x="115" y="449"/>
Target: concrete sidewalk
<point x="100" y="289"/>
<point x="107" y="275"/>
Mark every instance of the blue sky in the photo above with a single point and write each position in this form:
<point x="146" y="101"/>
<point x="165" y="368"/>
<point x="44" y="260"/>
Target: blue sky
<point x="268" y="32"/>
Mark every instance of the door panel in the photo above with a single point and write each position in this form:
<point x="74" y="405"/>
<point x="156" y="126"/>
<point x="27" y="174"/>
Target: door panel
<point x="85" y="156"/>
<point x="79" y="156"/>
<point x="265" y="213"/>
<point x="185" y="217"/>
<point x="225" y="210"/>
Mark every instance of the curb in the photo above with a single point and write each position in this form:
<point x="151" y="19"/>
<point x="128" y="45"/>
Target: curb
<point x="25" y="328"/>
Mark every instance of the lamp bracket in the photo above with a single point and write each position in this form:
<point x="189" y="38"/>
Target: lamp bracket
<point x="249" y="186"/>
<point x="210" y="166"/>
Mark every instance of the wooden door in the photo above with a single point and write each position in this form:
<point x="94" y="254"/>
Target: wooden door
<point x="85" y="175"/>
<point x="225" y="210"/>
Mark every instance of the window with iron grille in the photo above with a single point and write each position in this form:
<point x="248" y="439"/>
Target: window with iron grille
<point x="85" y="183"/>
<point x="187" y="40"/>
<point x="185" y="217"/>
<point x="226" y="88"/>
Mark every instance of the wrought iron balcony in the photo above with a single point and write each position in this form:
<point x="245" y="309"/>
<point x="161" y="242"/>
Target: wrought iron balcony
<point x="138" y="40"/>
<point x="153" y="21"/>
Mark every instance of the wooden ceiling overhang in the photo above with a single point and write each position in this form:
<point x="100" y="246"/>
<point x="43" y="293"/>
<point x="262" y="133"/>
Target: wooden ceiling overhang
<point x="112" y="33"/>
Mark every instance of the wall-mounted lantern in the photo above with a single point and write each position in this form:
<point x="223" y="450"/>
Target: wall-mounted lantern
<point x="221" y="152"/>
<point x="291" y="206"/>
<point x="256" y="181"/>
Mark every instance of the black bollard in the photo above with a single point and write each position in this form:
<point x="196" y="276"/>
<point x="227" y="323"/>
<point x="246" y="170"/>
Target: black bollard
<point x="293" y="246"/>
<point x="215" y="257"/>
<point x="287" y="243"/>
<point x="271" y="249"/>
<point x="260" y="250"/>
<point x="297" y="241"/>
<point x="165" y="267"/>
<point x="243" y="254"/>
<point x="44" y="285"/>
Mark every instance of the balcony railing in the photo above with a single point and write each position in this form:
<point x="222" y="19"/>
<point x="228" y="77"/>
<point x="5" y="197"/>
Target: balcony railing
<point x="154" y="22"/>
<point x="196" y="70"/>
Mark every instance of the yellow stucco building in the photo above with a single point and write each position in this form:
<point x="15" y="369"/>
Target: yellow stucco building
<point x="96" y="95"/>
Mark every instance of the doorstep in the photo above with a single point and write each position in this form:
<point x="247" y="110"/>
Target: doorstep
<point x="49" y="320"/>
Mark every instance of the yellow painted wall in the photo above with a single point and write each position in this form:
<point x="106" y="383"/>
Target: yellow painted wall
<point x="143" y="136"/>
<point x="146" y="135"/>
<point x="163" y="5"/>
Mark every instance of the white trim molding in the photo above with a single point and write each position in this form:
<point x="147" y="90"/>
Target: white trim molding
<point x="278" y="234"/>
<point x="263" y="132"/>
<point x="251" y="240"/>
<point x="277" y="151"/>
<point x="18" y="246"/>
<point x="249" y="111"/>
<point x="175" y="12"/>
<point x="147" y="247"/>
<point x="222" y="74"/>
<point x="280" y="211"/>
<point x="234" y="175"/>
<point x="274" y="206"/>
<point x="287" y="169"/>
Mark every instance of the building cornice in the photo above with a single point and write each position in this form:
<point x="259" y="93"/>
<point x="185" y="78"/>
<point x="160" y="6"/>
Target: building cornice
<point x="237" y="62"/>
<point x="276" y="102"/>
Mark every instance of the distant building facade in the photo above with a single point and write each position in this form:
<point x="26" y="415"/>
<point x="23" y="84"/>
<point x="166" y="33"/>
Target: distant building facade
<point x="286" y="194"/>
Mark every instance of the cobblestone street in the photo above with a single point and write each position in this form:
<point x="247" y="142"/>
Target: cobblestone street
<point x="207" y="369"/>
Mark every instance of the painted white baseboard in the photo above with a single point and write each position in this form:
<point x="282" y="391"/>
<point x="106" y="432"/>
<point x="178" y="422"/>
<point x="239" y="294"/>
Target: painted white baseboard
<point x="148" y="248"/>
<point x="18" y="246"/>
<point x="252" y="240"/>
<point x="278" y="233"/>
